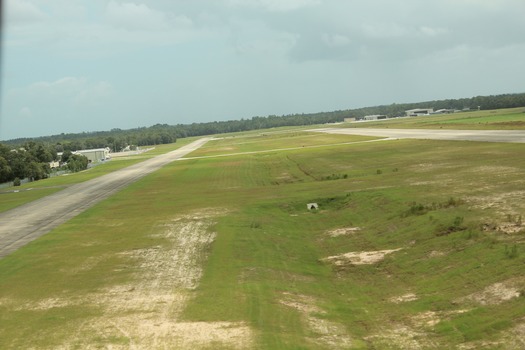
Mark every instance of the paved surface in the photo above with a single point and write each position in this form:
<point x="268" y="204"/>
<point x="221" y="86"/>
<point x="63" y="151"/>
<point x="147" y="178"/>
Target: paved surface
<point x="517" y="136"/>
<point x="23" y="224"/>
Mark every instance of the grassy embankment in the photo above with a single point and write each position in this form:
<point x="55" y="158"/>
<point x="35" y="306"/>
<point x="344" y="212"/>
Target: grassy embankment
<point x="452" y="208"/>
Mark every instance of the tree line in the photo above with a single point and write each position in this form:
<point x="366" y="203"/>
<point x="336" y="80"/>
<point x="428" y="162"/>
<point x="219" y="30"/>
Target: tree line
<point x="117" y="139"/>
<point x="37" y="152"/>
<point x="32" y="161"/>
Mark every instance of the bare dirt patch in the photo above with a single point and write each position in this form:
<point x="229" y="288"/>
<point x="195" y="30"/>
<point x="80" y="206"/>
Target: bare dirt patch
<point x="359" y="258"/>
<point x="400" y="337"/>
<point x="324" y="332"/>
<point x="414" y="333"/>
<point x="512" y="339"/>
<point x="436" y="254"/>
<point x="503" y="203"/>
<point x="404" y="298"/>
<point x="343" y="231"/>
<point x="145" y="313"/>
<point x="494" y="294"/>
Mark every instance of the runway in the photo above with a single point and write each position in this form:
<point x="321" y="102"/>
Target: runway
<point x="23" y="224"/>
<point x="513" y="136"/>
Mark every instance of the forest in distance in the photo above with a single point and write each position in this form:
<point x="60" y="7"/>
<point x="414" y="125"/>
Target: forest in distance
<point x="30" y="157"/>
<point x="118" y="139"/>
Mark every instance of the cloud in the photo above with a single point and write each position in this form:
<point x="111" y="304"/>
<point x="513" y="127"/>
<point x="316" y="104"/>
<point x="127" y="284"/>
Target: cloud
<point x="25" y="113"/>
<point x="133" y="16"/>
<point x="257" y="39"/>
<point x="210" y="59"/>
<point x="68" y="103"/>
<point x="274" y="5"/>
<point x="336" y="40"/>
<point x="67" y="91"/>
<point x="65" y="94"/>
<point x="22" y="12"/>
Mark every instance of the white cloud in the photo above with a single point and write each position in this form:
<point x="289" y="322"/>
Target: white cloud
<point x="380" y="30"/>
<point x="257" y="39"/>
<point x="336" y="40"/>
<point x="94" y="94"/>
<point x="133" y="16"/>
<point x="432" y="32"/>
<point x="22" y="12"/>
<point x="25" y="113"/>
<point x="274" y="5"/>
<point x="68" y="103"/>
<point x="62" y="93"/>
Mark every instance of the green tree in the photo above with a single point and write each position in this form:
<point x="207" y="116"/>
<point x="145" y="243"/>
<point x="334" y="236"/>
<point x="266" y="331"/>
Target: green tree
<point x="65" y="156"/>
<point x="6" y="174"/>
<point x="77" y="163"/>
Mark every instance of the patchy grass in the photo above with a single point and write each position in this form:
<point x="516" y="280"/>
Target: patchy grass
<point x="273" y="141"/>
<point x="268" y="276"/>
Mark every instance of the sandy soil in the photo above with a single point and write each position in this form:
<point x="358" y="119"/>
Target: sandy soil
<point x="343" y="231"/>
<point x="404" y="298"/>
<point x="494" y="294"/>
<point x="323" y="332"/>
<point x="359" y="258"/>
<point x="513" y="339"/>
<point x="145" y="313"/>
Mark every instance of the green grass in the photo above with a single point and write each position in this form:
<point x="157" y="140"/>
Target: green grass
<point x="269" y="246"/>
<point x="34" y="190"/>
<point x="501" y="119"/>
<point x="265" y="141"/>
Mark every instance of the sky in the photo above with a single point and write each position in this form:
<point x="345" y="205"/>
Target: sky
<point x="94" y="65"/>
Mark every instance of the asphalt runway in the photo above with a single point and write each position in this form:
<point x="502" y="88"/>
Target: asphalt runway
<point x="23" y="224"/>
<point x="513" y="136"/>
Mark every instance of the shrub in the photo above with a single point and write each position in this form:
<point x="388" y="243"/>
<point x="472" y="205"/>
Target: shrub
<point x="16" y="182"/>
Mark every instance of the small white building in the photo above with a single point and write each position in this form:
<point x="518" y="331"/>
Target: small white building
<point x="374" y="117"/>
<point x="94" y="155"/>
<point x="419" y="111"/>
<point x="54" y="164"/>
<point x="443" y="111"/>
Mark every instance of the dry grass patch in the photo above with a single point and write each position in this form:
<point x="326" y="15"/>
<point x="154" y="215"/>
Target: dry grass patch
<point x="324" y="332"/>
<point x="400" y="337"/>
<point x="343" y="231"/>
<point x="404" y="298"/>
<point x="495" y="294"/>
<point x="504" y="203"/>
<point x="512" y="339"/>
<point x="146" y="312"/>
<point x="359" y="258"/>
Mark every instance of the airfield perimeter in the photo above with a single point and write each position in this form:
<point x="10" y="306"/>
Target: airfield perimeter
<point x="517" y="136"/>
<point x="30" y="221"/>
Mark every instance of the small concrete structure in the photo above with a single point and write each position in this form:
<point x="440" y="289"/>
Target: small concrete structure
<point x="443" y="111"/>
<point x="312" y="206"/>
<point x="94" y="155"/>
<point x="374" y="117"/>
<point x="419" y="111"/>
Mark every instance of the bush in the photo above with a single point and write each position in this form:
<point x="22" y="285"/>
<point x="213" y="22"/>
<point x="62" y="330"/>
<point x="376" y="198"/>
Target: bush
<point x="77" y="163"/>
<point x="16" y="182"/>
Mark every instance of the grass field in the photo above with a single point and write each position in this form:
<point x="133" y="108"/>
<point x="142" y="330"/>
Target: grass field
<point x="501" y="119"/>
<point x="416" y="245"/>
<point x="12" y="197"/>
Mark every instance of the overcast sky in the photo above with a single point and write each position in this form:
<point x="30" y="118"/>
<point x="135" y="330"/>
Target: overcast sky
<point x="87" y="65"/>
